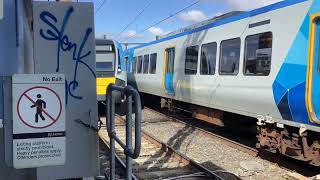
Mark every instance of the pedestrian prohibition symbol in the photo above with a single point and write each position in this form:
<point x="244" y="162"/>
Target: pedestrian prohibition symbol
<point x="39" y="107"/>
<point x="38" y="120"/>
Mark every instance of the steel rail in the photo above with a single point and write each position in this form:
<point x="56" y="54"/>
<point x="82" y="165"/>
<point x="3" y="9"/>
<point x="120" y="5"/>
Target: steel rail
<point x="247" y="149"/>
<point x="177" y="156"/>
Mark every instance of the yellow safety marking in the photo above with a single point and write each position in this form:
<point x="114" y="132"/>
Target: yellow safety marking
<point x="102" y="84"/>
<point x="311" y="113"/>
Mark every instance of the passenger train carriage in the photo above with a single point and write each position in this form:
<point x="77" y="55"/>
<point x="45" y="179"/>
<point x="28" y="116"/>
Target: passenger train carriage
<point x="262" y="63"/>
<point x="109" y="67"/>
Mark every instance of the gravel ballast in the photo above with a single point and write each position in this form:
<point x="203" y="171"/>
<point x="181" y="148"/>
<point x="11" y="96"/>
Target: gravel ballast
<point x="212" y="153"/>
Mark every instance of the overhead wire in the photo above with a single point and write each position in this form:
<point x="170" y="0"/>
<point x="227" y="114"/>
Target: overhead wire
<point x="135" y="18"/>
<point x="101" y="5"/>
<point x="97" y="3"/>
<point x="170" y="16"/>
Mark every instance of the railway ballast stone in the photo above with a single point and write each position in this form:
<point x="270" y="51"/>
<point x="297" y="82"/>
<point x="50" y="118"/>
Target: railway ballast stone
<point x="251" y="166"/>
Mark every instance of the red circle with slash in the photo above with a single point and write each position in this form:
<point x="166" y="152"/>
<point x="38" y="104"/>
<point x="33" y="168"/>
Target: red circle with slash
<point x="53" y="119"/>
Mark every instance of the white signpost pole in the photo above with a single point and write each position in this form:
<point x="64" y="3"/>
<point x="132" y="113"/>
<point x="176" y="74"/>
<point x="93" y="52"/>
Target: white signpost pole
<point x="64" y="43"/>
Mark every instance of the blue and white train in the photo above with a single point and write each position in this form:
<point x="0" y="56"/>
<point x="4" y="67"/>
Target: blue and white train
<point x="262" y="63"/>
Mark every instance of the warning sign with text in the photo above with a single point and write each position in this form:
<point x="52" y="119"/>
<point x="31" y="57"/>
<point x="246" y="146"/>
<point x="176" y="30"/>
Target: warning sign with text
<point x="38" y="120"/>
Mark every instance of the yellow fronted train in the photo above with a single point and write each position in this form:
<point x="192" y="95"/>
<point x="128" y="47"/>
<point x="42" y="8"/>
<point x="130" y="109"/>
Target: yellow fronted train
<point x="110" y="68"/>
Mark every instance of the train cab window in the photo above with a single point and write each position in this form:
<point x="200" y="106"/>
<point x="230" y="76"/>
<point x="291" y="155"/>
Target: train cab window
<point x="134" y="65"/>
<point x="258" y="52"/>
<point x="145" y="64"/>
<point x="105" y="56"/>
<point x="139" y="64"/>
<point x="191" y="61"/>
<point x="153" y="63"/>
<point x="229" y="57"/>
<point x="208" y="59"/>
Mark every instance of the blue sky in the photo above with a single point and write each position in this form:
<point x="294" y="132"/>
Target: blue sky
<point x="114" y="15"/>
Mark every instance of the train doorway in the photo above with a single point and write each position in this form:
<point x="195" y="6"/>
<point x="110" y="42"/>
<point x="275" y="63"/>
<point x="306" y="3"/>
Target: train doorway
<point x="168" y="71"/>
<point x="313" y="80"/>
<point x="316" y="74"/>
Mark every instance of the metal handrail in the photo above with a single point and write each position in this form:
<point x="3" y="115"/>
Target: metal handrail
<point x="131" y="95"/>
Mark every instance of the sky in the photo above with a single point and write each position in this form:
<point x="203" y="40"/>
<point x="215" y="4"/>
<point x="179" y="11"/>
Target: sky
<point x="131" y="20"/>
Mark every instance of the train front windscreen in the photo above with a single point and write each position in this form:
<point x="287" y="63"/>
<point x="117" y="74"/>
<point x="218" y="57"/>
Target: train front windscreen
<point x="105" y="68"/>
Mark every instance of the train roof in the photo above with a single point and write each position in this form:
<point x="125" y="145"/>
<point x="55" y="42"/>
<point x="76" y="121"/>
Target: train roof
<point x="233" y="18"/>
<point x="104" y="41"/>
<point x="203" y="23"/>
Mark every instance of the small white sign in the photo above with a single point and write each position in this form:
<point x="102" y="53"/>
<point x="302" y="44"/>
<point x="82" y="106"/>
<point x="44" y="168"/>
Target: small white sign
<point x="38" y="120"/>
<point x="1" y="9"/>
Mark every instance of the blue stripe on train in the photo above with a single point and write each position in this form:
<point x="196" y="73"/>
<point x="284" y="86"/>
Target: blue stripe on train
<point x="289" y="87"/>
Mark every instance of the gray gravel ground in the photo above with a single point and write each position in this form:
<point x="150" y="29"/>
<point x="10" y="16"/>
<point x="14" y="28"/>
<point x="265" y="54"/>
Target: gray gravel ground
<point x="211" y="153"/>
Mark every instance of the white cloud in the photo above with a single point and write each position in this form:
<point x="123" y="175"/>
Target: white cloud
<point x="192" y="16"/>
<point x="157" y="31"/>
<point x="131" y="33"/>
<point x="248" y="4"/>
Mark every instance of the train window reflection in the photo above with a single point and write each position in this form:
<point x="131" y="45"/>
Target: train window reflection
<point x="258" y="54"/>
<point x="208" y="59"/>
<point x="191" y="61"/>
<point x="153" y="63"/>
<point x="145" y="64"/>
<point x="229" y="57"/>
<point x="104" y="66"/>
<point x="105" y="61"/>
<point x="134" y="65"/>
<point x="139" y="64"/>
<point x="126" y="61"/>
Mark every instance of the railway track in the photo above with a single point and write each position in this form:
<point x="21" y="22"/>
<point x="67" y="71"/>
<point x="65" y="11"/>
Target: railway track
<point x="157" y="160"/>
<point x="104" y="157"/>
<point x="289" y="164"/>
<point x="244" y="148"/>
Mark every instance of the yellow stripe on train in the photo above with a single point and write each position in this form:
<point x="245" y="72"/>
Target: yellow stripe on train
<point x="102" y="84"/>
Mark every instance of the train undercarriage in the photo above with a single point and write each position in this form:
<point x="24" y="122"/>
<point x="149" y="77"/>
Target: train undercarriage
<point x="297" y="143"/>
<point x="289" y="141"/>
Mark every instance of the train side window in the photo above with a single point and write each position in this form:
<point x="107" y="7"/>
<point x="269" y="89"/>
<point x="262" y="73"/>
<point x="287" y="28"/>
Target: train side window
<point x="229" y="57"/>
<point x="191" y="61"/>
<point x="153" y="63"/>
<point x="258" y="50"/>
<point x="145" y="64"/>
<point x="208" y="59"/>
<point x="134" y="65"/>
<point x="139" y="64"/>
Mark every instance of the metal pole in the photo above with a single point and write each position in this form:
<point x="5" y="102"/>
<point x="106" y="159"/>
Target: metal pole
<point x="129" y="137"/>
<point x="111" y="130"/>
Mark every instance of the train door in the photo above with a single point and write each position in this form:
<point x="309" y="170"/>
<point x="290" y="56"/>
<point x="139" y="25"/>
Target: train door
<point x="313" y="83"/>
<point x="168" y="71"/>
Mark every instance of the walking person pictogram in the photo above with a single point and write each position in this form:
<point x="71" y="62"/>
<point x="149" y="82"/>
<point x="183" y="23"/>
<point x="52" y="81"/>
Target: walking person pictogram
<point x="40" y="104"/>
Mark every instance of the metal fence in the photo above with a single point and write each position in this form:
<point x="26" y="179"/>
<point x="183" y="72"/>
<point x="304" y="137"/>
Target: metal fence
<point x="132" y="100"/>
